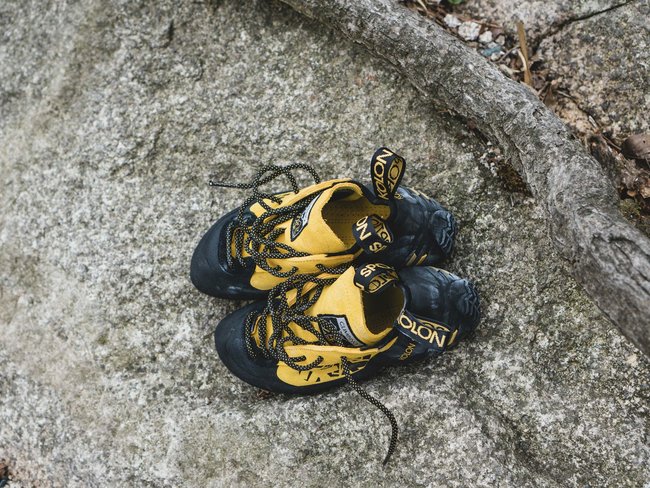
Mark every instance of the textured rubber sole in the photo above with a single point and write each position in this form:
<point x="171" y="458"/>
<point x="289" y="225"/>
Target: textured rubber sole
<point x="210" y="275"/>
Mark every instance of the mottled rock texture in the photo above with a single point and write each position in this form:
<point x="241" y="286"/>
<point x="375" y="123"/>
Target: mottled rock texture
<point x="603" y="63"/>
<point x="597" y="50"/>
<point x="113" y="116"/>
<point x="540" y="17"/>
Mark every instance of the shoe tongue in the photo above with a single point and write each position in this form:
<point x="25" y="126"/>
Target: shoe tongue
<point x="342" y="305"/>
<point x="309" y="232"/>
<point x="372" y="234"/>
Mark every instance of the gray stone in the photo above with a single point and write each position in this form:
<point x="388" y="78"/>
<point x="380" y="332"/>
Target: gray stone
<point x="540" y="17"/>
<point x="603" y="63"/>
<point x="469" y="31"/>
<point x="486" y="37"/>
<point x="452" y="21"/>
<point x="598" y="50"/>
<point x="113" y="118"/>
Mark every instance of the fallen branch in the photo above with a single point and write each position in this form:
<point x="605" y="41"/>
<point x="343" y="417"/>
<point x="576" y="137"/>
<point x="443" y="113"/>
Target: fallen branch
<point x="609" y="257"/>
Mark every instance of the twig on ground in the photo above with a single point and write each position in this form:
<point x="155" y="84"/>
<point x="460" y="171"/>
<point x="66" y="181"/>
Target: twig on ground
<point x="523" y="50"/>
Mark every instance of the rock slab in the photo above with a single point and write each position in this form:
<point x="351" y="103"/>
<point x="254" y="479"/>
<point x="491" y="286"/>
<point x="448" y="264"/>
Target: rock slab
<point x="114" y="116"/>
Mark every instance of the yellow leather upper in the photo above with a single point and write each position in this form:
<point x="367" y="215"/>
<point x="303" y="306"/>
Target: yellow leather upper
<point x="327" y="231"/>
<point x="340" y="298"/>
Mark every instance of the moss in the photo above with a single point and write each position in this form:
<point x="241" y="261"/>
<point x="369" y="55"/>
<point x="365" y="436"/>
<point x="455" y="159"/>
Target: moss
<point x="631" y="210"/>
<point x="511" y="180"/>
<point x="102" y="340"/>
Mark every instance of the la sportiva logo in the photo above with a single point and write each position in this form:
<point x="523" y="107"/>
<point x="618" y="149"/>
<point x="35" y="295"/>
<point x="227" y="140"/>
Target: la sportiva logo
<point x="296" y="227"/>
<point x="371" y="227"/>
<point x="300" y="221"/>
<point x="374" y="276"/>
<point x="330" y="372"/>
<point x="336" y="329"/>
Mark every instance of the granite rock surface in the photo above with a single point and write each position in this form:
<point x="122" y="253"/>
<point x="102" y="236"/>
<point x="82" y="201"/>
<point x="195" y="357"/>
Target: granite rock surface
<point x="603" y="62"/>
<point x="113" y="116"/>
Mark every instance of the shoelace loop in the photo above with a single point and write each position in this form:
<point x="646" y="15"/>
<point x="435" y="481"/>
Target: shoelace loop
<point x="258" y="237"/>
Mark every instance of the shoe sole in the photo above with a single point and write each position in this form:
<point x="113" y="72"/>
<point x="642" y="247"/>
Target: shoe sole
<point x="211" y="276"/>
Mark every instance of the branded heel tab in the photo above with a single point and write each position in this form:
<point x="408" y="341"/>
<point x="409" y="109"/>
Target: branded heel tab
<point x="372" y="234"/>
<point x="386" y="170"/>
<point x="374" y="277"/>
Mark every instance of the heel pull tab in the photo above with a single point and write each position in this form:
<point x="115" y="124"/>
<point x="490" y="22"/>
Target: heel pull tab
<point x="374" y="277"/>
<point x="386" y="169"/>
<point x="372" y="234"/>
